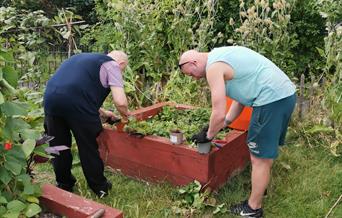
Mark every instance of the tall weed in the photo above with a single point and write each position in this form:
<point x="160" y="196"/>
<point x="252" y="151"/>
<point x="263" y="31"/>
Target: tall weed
<point x="332" y="53"/>
<point x="264" y="27"/>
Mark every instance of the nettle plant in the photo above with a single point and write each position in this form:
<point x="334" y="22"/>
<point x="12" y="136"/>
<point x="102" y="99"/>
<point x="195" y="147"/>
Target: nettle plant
<point x="265" y="28"/>
<point x="18" y="195"/>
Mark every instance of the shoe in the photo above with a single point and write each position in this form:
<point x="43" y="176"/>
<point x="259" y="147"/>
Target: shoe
<point x="67" y="187"/>
<point x="104" y="192"/>
<point x="244" y="210"/>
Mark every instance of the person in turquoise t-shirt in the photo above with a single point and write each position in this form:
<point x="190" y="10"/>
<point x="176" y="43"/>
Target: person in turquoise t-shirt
<point x="250" y="79"/>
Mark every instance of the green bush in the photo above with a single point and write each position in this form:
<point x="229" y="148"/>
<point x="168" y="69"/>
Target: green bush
<point x="308" y="26"/>
<point x="154" y="34"/>
<point x="18" y="195"/>
<point x="31" y="29"/>
<point x="332" y="54"/>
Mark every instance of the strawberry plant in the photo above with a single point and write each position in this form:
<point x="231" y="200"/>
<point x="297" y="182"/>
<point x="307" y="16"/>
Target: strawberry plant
<point x="189" y="121"/>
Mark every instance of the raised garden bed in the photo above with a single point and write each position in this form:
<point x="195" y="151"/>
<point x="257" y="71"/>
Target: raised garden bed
<point x="63" y="203"/>
<point x="155" y="158"/>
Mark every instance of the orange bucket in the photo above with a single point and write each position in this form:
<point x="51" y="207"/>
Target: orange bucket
<point x="242" y="121"/>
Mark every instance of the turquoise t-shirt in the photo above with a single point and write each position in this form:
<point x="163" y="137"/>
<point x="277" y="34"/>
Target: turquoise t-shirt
<point x="257" y="80"/>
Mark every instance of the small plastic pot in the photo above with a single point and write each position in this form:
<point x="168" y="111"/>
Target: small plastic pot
<point x="176" y="137"/>
<point x="204" y="148"/>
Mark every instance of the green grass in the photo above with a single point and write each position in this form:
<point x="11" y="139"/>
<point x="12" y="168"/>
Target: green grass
<point x="306" y="182"/>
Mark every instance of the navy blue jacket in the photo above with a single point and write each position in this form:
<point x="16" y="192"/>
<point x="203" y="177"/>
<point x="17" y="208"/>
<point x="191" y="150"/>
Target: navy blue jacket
<point x="75" y="90"/>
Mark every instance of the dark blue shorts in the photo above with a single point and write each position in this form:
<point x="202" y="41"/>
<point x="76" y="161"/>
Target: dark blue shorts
<point x="268" y="126"/>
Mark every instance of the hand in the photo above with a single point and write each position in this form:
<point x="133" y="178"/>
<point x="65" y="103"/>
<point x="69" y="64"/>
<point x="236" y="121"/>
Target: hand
<point x="124" y="120"/>
<point x="111" y="120"/>
<point x="201" y="137"/>
<point x="109" y="114"/>
<point x="121" y="125"/>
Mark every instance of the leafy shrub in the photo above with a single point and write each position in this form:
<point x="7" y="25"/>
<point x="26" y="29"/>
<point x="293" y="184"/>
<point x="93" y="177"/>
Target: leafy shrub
<point x="20" y="33"/>
<point x="32" y="36"/>
<point x="153" y="34"/>
<point x="332" y="54"/>
<point x="308" y="26"/>
<point x="322" y="126"/>
<point x="185" y="90"/>
<point x="20" y="27"/>
<point x="18" y="195"/>
<point x="226" y="9"/>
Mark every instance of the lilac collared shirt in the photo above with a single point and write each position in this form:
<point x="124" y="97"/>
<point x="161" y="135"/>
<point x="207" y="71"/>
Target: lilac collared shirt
<point x="110" y="75"/>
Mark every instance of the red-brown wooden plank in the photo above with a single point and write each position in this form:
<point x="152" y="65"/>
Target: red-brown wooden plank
<point x="230" y="159"/>
<point x="174" y="159"/>
<point x="151" y="174"/>
<point x="67" y="204"/>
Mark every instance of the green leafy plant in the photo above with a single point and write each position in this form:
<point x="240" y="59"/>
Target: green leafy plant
<point x="194" y="199"/>
<point x="332" y="54"/>
<point x="153" y="34"/>
<point x="18" y="194"/>
<point x="185" y="90"/>
<point x="307" y="24"/>
<point x="69" y="31"/>
<point x="30" y="29"/>
<point x="189" y="121"/>
<point x="27" y="33"/>
<point x="32" y="35"/>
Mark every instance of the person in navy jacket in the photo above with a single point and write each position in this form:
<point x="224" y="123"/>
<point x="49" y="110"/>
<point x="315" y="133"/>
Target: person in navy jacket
<point x="72" y="104"/>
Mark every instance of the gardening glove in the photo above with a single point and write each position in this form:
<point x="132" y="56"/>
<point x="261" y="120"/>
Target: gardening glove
<point x="201" y="137"/>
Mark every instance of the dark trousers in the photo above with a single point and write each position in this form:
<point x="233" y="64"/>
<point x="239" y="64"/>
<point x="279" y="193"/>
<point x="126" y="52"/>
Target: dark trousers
<point x="85" y="133"/>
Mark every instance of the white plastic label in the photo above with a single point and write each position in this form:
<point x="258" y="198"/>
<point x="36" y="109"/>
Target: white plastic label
<point x="173" y="139"/>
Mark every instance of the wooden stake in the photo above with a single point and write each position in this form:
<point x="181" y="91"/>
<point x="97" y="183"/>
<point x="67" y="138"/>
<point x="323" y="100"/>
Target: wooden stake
<point x="301" y="96"/>
<point x="336" y="203"/>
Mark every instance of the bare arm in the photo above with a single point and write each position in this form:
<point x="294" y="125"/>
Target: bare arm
<point x="234" y="112"/>
<point x="120" y="101"/>
<point x="215" y="77"/>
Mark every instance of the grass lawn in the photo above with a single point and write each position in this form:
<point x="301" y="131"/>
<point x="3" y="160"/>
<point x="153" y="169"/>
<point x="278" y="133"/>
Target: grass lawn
<point x="306" y="182"/>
